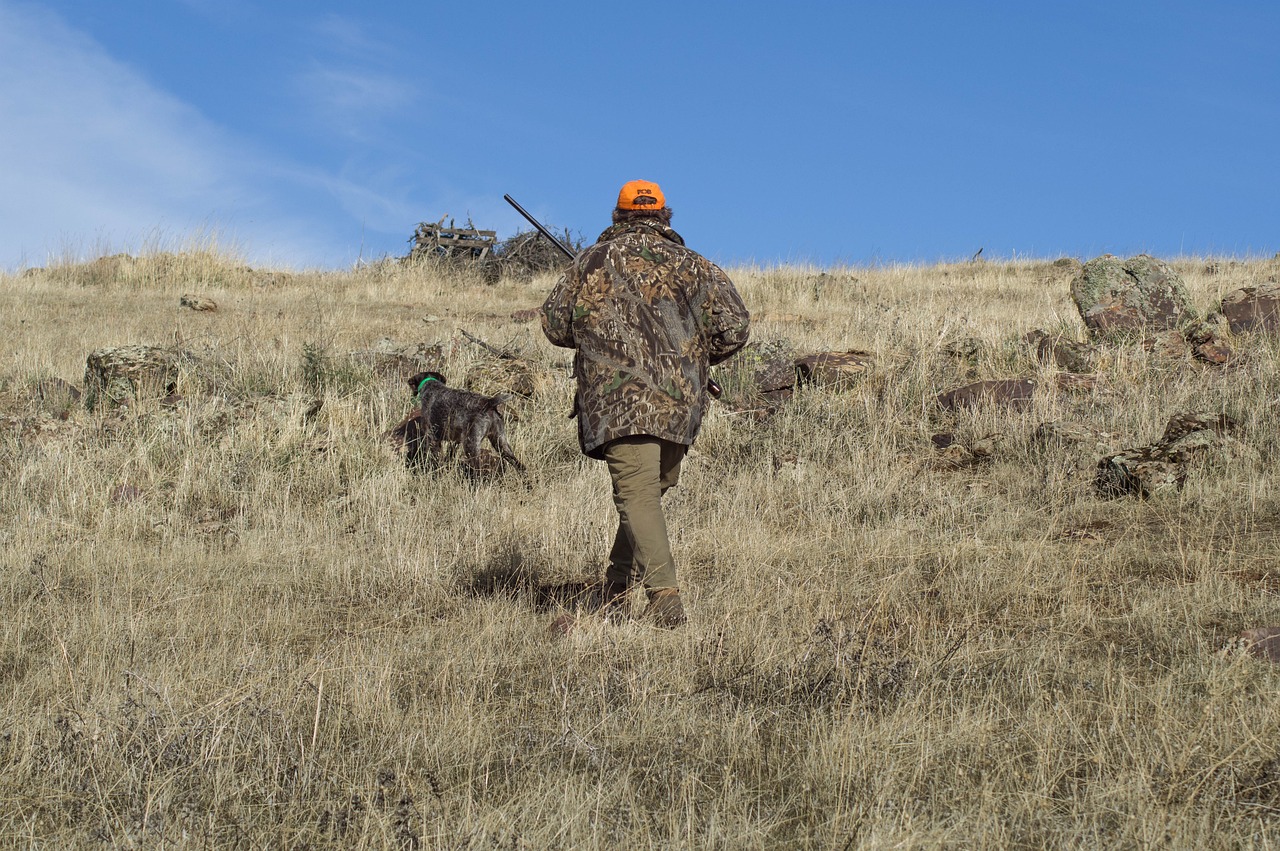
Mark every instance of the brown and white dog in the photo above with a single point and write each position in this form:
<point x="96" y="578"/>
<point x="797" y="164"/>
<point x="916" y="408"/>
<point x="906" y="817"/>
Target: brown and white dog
<point x="457" y="416"/>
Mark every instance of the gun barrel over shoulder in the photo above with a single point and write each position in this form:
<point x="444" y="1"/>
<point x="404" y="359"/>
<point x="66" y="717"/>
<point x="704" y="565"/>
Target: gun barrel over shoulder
<point x="713" y="389"/>
<point x="539" y="226"/>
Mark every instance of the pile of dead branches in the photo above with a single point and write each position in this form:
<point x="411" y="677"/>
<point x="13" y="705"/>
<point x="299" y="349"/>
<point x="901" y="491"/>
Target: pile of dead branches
<point x="529" y="253"/>
<point x="519" y="257"/>
<point x="466" y="247"/>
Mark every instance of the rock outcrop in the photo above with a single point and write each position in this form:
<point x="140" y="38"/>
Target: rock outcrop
<point x="832" y="368"/>
<point x="1005" y="392"/>
<point x="122" y="374"/>
<point x="1060" y="350"/>
<point x="1253" y="309"/>
<point x="1123" y="300"/>
<point x="1162" y="466"/>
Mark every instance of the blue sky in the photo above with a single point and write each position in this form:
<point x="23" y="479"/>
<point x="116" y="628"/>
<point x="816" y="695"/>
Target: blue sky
<point x="315" y="134"/>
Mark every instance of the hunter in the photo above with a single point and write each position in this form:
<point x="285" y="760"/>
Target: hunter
<point x="648" y="318"/>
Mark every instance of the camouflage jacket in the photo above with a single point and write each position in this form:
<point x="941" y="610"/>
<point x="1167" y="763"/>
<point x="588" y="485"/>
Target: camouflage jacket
<point x="648" y="317"/>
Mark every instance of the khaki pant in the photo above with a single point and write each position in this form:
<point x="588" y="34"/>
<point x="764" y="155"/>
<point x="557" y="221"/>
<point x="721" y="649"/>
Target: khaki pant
<point x="642" y="468"/>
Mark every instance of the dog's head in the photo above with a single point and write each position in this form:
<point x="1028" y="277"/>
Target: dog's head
<point x="424" y="379"/>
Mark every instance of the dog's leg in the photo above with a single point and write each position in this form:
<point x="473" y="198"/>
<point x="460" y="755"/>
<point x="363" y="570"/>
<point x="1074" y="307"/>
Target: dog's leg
<point x="471" y="440"/>
<point x="433" y="436"/>
<point x="413" y="437"/>
<point x="498" y="440"/>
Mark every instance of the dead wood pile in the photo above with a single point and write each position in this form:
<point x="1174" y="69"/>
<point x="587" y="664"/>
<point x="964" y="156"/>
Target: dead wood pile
<point x="435" y="240"/>
<point x="529" y="253"/>
<point x="521" y="256"/>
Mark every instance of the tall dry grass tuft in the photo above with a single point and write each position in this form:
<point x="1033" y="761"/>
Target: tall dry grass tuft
<point x="237" y="621"/>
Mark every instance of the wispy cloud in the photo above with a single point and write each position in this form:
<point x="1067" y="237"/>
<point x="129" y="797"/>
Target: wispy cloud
<point x="351" y="86"/>
<point x="92" y="153"/>
<point x="351" y="102"/>
<point x="344" y="35"/>
<point x="221" y="11"/>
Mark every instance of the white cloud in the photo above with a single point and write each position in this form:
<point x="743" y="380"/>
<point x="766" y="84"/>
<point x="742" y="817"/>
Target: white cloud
<point x="92" y="154"/>
<point x="349" y="37"/>
<point x="352" y="102"/>
<point x="221" y="11"/>
<point x="349" y="87"/>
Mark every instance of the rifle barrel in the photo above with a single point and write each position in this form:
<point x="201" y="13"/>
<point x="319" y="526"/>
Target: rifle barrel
<point x="537" y="224"/>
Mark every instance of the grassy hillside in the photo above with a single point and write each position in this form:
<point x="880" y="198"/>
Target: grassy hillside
<point x="235" y="620"/>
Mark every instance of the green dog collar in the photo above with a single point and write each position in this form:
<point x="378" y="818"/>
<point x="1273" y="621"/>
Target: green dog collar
<point x="424" y="382"/>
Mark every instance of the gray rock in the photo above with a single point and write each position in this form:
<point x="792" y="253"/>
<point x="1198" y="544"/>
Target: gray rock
<point x="1162" y="466"/>
<point x="1065" y="433"/>
<point x="1062" y="351"/>
<point x="121" y="374"/>
<point x="1123" y="300"/>
<point x="833" y="368"/>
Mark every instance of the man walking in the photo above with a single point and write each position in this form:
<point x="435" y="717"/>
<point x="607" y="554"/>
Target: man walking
<point x="648" y="317"/>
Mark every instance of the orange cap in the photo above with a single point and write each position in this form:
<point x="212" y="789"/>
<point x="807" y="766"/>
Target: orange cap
<point x="641" y="195"/>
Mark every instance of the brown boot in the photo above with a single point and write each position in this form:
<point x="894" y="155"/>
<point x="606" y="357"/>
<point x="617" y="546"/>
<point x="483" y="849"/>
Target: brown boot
<point x="665" y="608"/>
<point x="614" y="602"/>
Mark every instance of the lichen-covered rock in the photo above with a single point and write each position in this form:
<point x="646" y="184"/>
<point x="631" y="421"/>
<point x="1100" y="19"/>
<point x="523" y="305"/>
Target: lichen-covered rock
<point x="199" y="303"/>
<point x="1123" y="300"/>
<point x="1167" y="346"/>
<point x="833" y="368"/>
<point x="967" y="349"/>
<point x="1262" y="642"/>
<point x="762" y="373"/>
<point x="1162" y="466"/>
<point x="120" y="374"/>
<point x="1058" y="349"/>
<point x="391" y="359"/>
<point x="1005" y="392"/>
<point x="1208" y="344"/>
<point x="1066" y="433"/>
<point x="1253" y="309"/>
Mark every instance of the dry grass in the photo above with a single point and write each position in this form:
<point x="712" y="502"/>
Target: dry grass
<point x="287" y="640"/>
